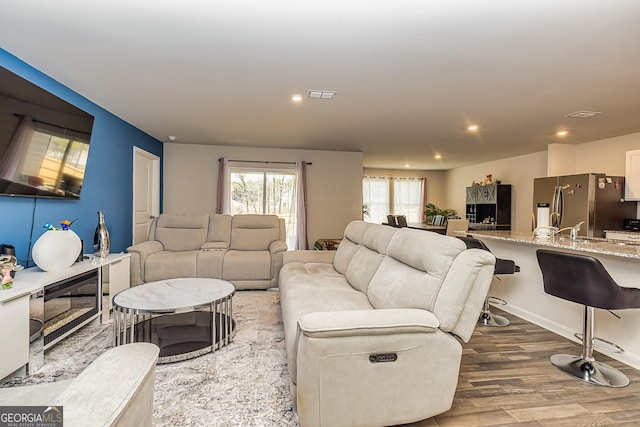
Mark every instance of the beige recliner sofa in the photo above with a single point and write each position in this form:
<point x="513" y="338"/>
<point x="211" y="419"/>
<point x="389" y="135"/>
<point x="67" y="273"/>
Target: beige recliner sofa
<point x="116" y="389"/>
<point x="243" y="249"/>
<point x="373" y="330"/>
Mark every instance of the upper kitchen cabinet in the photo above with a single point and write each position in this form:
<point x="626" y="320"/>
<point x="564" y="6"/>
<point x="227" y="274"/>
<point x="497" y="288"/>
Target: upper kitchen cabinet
<point x="489" y="207"/>
<point x="632" y="176"/>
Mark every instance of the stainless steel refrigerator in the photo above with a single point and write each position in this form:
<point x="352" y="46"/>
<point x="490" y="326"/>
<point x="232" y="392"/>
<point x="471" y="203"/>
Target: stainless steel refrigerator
<point x="595" y="198"/>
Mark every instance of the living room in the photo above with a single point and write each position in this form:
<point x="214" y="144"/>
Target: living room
<point x="334" y="178"/>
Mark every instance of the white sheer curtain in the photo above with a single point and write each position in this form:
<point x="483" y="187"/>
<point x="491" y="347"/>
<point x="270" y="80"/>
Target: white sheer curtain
<point x="375" y="194"/>
<point x="408" y="196"/>
<point x="301" y="206"/>
<point x="396" y="196"/>
<point x="12" y="161"/>
<point x="423" y="198"/>
<point x="224" y="187"/>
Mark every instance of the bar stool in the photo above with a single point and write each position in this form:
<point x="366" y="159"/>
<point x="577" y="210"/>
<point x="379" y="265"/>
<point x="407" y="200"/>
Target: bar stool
<point x="503" y="266"/>
<point x="584" y="280"/>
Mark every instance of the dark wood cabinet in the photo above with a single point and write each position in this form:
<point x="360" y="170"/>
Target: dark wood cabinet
<point x="489" y="207"/>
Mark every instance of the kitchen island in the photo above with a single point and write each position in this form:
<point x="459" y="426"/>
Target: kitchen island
<point x="525" y="295"/>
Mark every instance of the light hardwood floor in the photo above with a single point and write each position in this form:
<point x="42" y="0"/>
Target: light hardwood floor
<point x="506" y="379"/>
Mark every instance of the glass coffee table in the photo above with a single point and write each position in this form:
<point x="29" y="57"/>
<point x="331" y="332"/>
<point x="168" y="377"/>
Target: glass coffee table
<point x="185" y="317"/>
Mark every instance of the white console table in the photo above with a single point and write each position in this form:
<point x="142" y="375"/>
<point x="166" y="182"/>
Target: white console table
<point x="14" y="303"/>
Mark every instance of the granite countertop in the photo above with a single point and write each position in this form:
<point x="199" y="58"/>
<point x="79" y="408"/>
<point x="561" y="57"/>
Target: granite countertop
<point x="582" y="244"/>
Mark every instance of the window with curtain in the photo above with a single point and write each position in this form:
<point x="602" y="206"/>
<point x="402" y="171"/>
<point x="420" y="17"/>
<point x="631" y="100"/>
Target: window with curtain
<point x="375" y="194"/>
<point x="265" y="191"/>
<point x="397" y="196"/>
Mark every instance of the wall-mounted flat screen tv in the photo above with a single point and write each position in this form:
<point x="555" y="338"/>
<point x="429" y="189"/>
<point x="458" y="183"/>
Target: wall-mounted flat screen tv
<point x="44" y="141"/>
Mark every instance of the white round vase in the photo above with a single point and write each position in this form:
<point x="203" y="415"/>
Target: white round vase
<point x="56" y="250"/>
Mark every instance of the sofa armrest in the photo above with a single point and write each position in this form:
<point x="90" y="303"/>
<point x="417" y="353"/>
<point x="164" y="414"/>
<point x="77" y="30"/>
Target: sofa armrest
<point x="367" y="322"/>
<point x="353" y="366"/>
<point x="305" y="256"/>
<point x="109" y="392"/>
<point x="277" y="246"/>
<point x="277" y="249"/>
<point x="139" y="254"/>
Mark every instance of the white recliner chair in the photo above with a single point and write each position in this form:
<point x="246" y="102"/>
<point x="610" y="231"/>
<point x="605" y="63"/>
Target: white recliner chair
<point x="116" y="389"/>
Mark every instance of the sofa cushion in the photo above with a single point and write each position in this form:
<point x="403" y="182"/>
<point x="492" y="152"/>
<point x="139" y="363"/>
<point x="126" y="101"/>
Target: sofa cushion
<point x="309" y="288"/>
<point x="182" y="232"/>
<point x="170" y="265"/>
<point x="411" y="274"/>
<point x="254" y="232"/>
<point x="367" y="258"/>
<point x="353" y="239"/>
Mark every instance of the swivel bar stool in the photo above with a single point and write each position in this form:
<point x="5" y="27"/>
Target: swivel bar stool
<point x="503" y="266"/>
<point x="584" y="280"/>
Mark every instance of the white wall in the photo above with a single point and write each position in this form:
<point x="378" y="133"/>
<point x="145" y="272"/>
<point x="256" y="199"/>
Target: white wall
<point x="605" y="155"/>
<point x="517" y="171"/>
<point x="335" y="178"/>
<point x="561" y="159"/>
<point x="334" y="182"/>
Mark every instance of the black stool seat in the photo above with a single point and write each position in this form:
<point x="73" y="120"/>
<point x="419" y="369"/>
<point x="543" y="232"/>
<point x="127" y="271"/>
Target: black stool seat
<point x="502" y="266"/>
<point x="584" y="280"/>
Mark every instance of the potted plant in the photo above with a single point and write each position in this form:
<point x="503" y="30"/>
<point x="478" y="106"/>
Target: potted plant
<point x="366" y="211"/>
<point x="431" y="210"/>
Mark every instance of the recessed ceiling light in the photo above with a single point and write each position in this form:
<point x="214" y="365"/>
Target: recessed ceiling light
<point x="562" y="133"/>
<point x="472" y="128"/>
<point x="172" y="138"/>
<point x="407" y="165"/>
<point x="437" y="156"/>
<point x="296" y="98"/>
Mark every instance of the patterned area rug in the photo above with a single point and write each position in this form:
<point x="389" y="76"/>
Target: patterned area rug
<point x="244" y="384"/>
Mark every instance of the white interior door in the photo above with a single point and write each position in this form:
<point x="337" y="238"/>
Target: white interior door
<point x="146" y="192"/>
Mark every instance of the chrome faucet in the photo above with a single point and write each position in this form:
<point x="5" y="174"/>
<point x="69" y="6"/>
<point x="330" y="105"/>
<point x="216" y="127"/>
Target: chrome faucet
<point x="554" y="231"/>
<point x="573" y="234"/>
<point x="573" y="231"/>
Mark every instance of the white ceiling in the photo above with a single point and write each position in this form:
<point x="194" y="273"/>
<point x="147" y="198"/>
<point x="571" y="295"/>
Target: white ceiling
<point x="410" y="74"/>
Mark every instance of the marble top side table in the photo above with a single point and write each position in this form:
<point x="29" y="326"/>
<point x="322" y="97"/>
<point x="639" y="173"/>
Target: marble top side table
<point x="185" y="317"/>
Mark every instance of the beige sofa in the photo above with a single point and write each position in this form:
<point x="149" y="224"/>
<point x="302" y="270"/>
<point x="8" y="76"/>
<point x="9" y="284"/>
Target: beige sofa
<point x="373" y="330"/>
<point x="243" y="249"/>
<point x="116" y="389"/>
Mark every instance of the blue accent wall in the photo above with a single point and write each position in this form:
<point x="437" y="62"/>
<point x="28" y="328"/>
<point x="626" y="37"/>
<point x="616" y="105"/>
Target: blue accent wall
<point x="107" y="185"/>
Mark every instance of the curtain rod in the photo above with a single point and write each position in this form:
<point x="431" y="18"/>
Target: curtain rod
<point x="393" y="177"/>
<point x="53" y="125"/>
<point x="264" y="161"/>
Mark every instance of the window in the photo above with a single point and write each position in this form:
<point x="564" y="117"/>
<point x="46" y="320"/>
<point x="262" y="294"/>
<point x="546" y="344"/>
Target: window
<point x="397" y="196"/>
<point x="375" y="194"/>
<point x="265" y="191"/>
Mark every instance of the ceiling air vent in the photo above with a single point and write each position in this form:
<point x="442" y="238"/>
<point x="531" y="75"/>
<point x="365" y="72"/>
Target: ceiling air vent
<point x="322" y="94"/>
<point x="582" y="114"/>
